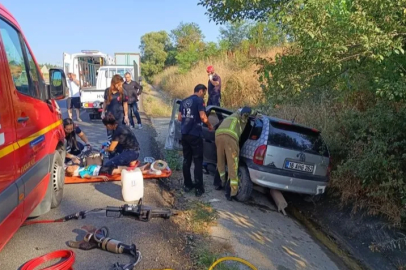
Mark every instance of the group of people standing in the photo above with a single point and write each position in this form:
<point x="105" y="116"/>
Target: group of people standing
<point x="132" y="88"/>
<point x="192" y="115"/>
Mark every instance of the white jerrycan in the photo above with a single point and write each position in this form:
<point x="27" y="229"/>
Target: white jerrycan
<point x="132" y="184"/>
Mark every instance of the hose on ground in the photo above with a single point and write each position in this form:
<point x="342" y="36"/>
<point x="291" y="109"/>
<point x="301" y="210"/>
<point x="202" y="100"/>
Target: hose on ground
<point x="232" y="259"/>
<point x="66" y="264"/>
<point x="212" y="267"/>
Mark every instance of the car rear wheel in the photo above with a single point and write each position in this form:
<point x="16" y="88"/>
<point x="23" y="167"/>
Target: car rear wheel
<point x="245" y="184"/>
<point x="58" y="180"/>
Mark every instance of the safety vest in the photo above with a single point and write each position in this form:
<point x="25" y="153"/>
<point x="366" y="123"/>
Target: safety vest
<point x="233" y="126"/>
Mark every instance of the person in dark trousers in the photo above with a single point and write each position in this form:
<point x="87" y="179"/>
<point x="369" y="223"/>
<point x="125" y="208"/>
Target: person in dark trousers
<point x="191" y="115"/>
<point x="214" y="85"/>
<point x="116" y="102"/>
<point x="124" y="147"/>
<point x="134" y="90"/>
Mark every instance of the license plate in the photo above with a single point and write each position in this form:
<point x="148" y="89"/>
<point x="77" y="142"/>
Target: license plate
<point x="299" y="166"/>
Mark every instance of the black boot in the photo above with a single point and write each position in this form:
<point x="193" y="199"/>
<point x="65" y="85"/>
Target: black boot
<point x="217" y="181"/>
<point x="228" y="191"/>
<point x="206" y="170"/>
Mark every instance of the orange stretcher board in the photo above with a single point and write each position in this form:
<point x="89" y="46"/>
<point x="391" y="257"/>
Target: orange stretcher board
<point x="77" y="179"/>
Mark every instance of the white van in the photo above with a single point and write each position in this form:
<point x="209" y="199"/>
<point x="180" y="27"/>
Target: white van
<point x="92" y="98"/>
<point x="85" y="65"/>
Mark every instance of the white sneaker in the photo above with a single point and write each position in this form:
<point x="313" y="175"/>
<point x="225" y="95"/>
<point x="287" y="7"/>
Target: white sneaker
<point x="140" y="126"/>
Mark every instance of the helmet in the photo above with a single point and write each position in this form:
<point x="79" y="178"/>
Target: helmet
<point x="210" y="69"/>
<point x="246" y="110"/>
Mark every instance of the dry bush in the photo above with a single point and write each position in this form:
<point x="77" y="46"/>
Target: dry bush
<point x="240" y="84"/>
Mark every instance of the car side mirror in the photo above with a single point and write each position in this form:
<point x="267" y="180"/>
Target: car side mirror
<point x="58" y="88"/>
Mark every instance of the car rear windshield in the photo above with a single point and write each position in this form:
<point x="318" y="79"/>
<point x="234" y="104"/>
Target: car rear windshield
<point x="296" y="138"/>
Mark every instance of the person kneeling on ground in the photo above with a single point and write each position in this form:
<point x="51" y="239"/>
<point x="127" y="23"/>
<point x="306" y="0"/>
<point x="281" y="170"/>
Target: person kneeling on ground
<point x="124" y="147"/>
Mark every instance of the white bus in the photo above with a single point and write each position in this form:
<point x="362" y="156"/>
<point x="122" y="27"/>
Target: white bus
<point x="85" y="65"/>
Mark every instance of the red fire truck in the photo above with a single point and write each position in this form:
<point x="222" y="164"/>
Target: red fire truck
<point x="32" y="149"/>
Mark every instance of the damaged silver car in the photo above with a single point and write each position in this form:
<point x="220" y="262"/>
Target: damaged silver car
<point x="275" y="153"/>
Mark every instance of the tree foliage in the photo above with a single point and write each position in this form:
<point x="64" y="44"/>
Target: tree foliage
<point x="186" y="34"/>
<point x="190" y="47"/>
<point x="233" y="34"/>
<point x="184" y="46"/>
<point x="221" y="11"/>
<point x="154" y="46"/>
<point x="350" y="52"/>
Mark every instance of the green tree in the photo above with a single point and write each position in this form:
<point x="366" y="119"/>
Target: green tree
<point x="265" y="35"/>
<point x="221" y="11"/>
<point x="153" y="52"/>
<point x="333" y="42"/>
<point x="350" y="54"/>
<point x="171" y="57"/>
<point x="188" y="40"/>
<point x="186" y="34"/>
<point x="233" y="34"/>
<point x="211" y="49"/>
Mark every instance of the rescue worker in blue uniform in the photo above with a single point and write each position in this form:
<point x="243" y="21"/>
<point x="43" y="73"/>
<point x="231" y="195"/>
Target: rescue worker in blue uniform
<point x="116" y="103"/>
<point x="191" y="115"/>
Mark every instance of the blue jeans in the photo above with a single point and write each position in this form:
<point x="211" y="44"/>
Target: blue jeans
<point x="133" y="108"/>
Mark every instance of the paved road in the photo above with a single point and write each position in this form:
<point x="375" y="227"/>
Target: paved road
<point x="157" y="240"/>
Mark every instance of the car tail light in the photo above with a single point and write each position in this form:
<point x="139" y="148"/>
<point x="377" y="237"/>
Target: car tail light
<point x="329" y="167"/>
<point x="259" y="155"/>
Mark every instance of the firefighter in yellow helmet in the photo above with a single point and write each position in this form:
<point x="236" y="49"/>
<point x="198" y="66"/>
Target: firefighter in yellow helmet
<point x="228" y="148"/>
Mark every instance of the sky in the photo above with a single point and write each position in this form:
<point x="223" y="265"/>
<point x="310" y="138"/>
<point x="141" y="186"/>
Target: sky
<point x="52" y="27"/>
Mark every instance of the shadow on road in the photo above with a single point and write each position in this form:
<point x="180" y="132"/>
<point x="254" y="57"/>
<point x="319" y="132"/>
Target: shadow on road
<point x="110" y="189"/>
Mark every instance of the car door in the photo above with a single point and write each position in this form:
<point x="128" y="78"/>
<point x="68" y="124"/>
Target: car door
<point x="67" y="63"/>
<point x="32" y="118"/>
<point x="173" y="139"/>
<point x="10" y="213"/>
<point x="215" y="115"/>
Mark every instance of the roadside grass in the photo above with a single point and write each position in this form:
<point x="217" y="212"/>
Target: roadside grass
<point x="199" y="217"/>
<point x="155" y="105"/>
<point x="205" y="257"/>
<point x="174" y="160"/>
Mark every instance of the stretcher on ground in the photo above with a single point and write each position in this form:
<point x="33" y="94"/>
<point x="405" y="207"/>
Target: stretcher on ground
<point x="165" y="173"/>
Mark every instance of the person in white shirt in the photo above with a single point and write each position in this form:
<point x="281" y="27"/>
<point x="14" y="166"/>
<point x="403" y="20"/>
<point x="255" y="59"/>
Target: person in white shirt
<point x="74" y="96"/>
